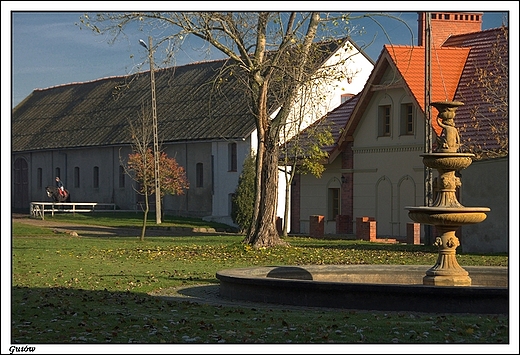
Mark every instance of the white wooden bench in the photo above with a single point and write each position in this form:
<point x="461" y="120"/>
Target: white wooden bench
<point x="38" y="209"/>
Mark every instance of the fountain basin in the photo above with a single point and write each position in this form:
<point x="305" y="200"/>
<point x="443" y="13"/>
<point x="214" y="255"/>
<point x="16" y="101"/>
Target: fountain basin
<point x="448" y="161"/>
<point x="367" y="287"/>
<point x="447" y="216"/>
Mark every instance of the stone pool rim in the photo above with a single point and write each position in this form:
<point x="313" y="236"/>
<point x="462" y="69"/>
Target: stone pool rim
<point x="310" y="285"/>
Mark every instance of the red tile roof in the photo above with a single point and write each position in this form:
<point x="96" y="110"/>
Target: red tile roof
<point x="472" y="68"/>
<point x="447" y="65"/>
<point x="454" y="69"/>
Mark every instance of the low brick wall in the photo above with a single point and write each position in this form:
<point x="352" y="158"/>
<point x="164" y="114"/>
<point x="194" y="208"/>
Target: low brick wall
<point x="366" y="228"/>
<point x="342" y="224"/>
<point x="413" y="233"/>
<point x="317" y="226"/>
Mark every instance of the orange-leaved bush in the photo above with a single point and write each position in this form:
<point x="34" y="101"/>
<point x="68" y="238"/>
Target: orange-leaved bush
<point x="172" y="176"/>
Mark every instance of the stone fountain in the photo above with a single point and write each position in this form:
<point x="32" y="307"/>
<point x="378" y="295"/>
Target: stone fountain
<point x="393" y="287"/>
<point x="447" y="214"/>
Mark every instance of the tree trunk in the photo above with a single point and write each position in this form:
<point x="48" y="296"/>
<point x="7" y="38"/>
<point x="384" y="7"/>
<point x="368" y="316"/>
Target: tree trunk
<point x="263" y="232"/>
<point x="145" y="217"/>
<point x="288" y="180"/>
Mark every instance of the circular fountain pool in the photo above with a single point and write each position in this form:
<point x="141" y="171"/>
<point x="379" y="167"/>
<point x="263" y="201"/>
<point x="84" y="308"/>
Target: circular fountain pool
<point x="367" y="287"/>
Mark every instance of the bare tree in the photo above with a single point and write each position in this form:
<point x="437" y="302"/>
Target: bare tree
<point x="273" y="54"/>
<point x="141" y="130"/>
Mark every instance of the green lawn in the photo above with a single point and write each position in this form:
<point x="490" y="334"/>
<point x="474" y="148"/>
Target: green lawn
<point x="94" y="290"/>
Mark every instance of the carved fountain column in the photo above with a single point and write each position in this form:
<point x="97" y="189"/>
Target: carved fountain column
<point x="447" y="214"/>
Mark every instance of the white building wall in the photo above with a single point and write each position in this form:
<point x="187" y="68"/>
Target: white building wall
<point x="107" y="159"/>
<point x="356" y="70"/>
<point x="345" y="72"/>
<point x="225" y="181"/>
<point x="280" y="210"/>
<point x="43" y="161"/>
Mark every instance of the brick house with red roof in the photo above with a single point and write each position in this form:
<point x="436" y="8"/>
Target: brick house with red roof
<point x="374" y="168"/>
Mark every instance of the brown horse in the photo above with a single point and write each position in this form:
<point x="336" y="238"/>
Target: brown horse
<point x="53" y="193"/>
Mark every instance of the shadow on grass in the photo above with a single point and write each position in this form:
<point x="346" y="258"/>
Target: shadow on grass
<point x="63" y="315"/>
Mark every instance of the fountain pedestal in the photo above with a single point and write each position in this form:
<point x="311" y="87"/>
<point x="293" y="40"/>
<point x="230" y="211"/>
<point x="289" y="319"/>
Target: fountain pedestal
<point x="447" y="214"/>
<point x="447" y="271"/>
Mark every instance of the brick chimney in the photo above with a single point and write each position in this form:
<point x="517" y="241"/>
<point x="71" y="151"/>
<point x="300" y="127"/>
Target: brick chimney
<point x="446" y="24"/>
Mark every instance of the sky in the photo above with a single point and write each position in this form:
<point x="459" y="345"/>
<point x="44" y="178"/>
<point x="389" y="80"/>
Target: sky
<point x="49" y="48"/>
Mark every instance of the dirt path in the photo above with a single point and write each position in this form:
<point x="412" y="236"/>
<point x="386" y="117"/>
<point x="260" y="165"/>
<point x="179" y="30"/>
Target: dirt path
<point x="101" y="231"/>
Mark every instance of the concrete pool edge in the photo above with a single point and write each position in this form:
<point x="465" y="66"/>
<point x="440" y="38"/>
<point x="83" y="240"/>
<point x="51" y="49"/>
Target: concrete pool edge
<point x="310" y="286"/>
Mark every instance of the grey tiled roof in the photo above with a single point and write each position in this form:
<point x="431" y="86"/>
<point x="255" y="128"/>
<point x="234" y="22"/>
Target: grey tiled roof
<point x="484" y="105"/>
<point x="194" y="102"/>
<point x="334" y="121"/>
<point x="190" y="106"/>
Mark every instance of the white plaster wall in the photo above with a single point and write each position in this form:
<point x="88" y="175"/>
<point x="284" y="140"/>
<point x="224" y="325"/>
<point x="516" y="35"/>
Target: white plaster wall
<point x="325" y="92"/>
<point x="197" y="200"/>
<point x="225" y="181"/>
<point x="106" y="158"/>
<point x="280" y="210"/>
<point x="357" y="67"/>
<point x="45" y="162"/>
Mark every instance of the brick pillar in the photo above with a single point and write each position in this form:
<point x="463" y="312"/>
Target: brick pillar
<point x="372" y="231"/>
<point x="413" y="233"/>
<point x="342" y="224"/>
<point x="360" y="233"/>
<point x="316" y="226"/>
<point x="366" y="228"/>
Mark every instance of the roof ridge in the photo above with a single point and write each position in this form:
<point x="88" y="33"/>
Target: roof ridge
<point x="122" y="76"/>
